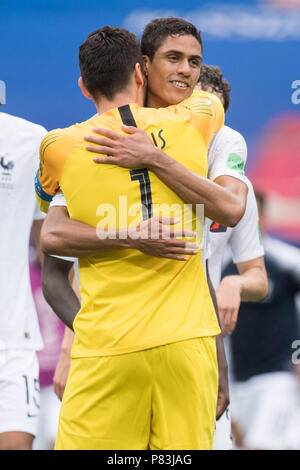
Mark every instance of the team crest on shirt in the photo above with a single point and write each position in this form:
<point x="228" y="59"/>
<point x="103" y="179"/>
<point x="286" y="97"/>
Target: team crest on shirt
<point x="6" y="167"/>
<point x="216" y="227"/>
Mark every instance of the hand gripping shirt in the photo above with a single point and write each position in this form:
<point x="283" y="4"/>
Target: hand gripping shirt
<point x="132" y="301"/>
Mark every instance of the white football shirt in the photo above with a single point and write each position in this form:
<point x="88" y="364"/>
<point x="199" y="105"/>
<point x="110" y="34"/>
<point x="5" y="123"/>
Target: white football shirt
<point x="19" y="158"/>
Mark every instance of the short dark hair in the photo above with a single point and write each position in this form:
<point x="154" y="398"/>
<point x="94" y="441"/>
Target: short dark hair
<point x="107" y="59"/>
<point x="159" y="29"/>
<point x="211" y="76"/>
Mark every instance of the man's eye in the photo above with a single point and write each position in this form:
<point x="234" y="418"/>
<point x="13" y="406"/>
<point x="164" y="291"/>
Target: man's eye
<point x="172" y="57"/>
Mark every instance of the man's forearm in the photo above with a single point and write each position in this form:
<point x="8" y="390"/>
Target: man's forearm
<point x="220" y="203"/>
<point x="76" y="239"/>
<point x="63" y="301"/>
<point x="252" y="284"/>
<point x="67" y="342"/>
<point x="157" y="237"/>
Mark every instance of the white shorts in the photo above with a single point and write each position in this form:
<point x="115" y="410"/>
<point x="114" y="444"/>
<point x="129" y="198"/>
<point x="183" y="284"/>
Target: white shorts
<point x="222" y="436"/>
<point x="267" y="410"/>
<point x="19" y="391"/>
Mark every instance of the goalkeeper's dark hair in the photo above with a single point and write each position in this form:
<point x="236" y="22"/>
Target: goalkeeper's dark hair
<point x="159" y="29"/>
<point x="211" y="76"/>
<point x="107" y="59"/>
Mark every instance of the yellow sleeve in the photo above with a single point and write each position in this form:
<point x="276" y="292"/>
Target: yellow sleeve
<point x="207" y="105"/>
<point x="54" y="150"/>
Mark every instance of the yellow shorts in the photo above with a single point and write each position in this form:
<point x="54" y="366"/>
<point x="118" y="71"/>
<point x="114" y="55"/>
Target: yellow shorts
<point x="162" y="398"/>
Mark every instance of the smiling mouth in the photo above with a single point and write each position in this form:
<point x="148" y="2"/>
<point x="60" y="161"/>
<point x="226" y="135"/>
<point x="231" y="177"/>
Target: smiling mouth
<point x="180" y="85"/>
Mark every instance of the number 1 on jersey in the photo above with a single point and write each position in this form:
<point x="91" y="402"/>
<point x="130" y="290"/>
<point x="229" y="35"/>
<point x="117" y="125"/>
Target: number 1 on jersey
<point x="142" y="175"/>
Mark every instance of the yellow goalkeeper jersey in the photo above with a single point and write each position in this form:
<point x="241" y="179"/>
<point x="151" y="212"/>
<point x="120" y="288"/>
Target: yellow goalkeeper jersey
<point x="131" y="301"/>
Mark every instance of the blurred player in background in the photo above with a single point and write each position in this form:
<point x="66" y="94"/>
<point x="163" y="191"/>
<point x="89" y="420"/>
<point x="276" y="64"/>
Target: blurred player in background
<point x="266" y="380"/>
<point x="20" y="336"/>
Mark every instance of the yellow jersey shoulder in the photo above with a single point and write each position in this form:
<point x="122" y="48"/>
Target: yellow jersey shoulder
<point x="54" y="151"/>
<point x="205" y="103"/>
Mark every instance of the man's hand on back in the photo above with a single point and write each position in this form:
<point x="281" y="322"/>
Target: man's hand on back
<point x="157" y="237"/>
<point x="129" y="151"/>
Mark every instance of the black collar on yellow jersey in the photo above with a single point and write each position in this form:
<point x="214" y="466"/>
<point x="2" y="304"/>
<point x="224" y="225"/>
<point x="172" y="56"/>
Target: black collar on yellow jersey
<point x="127" y="116"/>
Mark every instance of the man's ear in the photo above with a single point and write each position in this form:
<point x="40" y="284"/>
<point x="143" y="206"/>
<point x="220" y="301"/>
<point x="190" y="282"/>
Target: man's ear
<point x="139" y="74"/>
<point x="146" y="62"/>
<point x="83" y="89"/>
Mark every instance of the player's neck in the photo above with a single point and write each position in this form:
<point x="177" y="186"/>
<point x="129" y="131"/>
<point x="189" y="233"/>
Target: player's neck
<point x="120" y="99"/>
<point x="154" y="101"/>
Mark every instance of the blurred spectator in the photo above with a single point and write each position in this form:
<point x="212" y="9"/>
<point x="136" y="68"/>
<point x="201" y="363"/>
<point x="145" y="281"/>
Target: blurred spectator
<point x="265" y="369"/>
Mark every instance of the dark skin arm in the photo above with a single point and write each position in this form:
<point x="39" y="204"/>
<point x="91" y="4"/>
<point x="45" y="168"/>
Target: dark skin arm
<point x="58" y="291"/>
<point x="63" y="366"/>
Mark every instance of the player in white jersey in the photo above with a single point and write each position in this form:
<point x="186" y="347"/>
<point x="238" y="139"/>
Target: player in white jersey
<point x="20" y="336"/>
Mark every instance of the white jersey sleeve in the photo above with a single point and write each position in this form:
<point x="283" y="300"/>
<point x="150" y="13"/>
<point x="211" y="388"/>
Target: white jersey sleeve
<point x="227" y="154"/>
<point x="245" y="240"/>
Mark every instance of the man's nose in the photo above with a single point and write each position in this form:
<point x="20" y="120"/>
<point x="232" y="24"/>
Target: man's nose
<point x="184" y="67"/>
